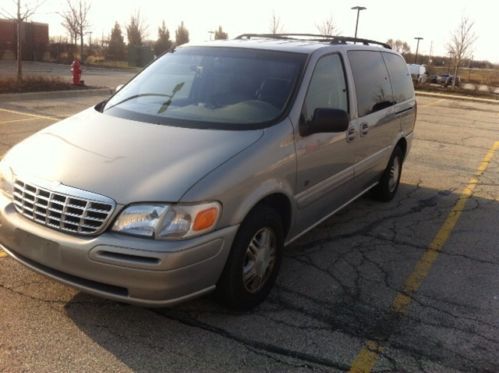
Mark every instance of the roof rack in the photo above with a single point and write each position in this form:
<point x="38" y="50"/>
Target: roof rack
<point x="315" y="37"/>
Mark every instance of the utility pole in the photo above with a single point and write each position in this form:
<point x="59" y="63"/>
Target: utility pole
<point x="358" y="8"/>
<point x="418" y="38"/>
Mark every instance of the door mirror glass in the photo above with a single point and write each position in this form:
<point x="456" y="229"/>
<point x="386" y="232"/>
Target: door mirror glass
<point x="326" y="120"/>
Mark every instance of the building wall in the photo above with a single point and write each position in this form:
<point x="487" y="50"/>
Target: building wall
<point x="34" y="36"/>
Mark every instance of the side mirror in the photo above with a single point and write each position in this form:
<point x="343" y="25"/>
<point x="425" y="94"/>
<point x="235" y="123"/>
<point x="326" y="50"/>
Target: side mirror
<point x="326" y="120"/>
<point x="118" y="88"/>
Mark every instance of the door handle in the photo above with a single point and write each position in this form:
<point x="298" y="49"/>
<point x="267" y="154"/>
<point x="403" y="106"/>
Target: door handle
<point x="364" y="129"/>
<point x="351" y="134"/>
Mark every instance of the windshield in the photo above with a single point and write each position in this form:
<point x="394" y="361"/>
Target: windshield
<point x="210" y="86"/>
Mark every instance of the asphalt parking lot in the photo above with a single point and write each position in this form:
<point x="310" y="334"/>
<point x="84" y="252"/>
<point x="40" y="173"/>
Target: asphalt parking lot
<point x="412" y="285"/>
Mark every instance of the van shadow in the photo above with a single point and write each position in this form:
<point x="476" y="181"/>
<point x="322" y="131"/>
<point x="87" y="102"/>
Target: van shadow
<point x="334" y="291"/>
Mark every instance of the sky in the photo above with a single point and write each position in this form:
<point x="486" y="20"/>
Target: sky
<point x="434" y="20"/>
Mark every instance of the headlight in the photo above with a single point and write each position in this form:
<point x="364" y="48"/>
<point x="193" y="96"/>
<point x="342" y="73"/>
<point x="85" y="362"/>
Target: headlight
<point x="6" y="179"/>
<point x="168" y="222"/>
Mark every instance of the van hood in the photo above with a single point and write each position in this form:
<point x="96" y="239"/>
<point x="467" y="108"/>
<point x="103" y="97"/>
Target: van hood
<point x="125" y="160"/>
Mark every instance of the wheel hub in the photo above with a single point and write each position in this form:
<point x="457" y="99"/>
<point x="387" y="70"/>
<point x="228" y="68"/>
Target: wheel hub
<point x="259" y="260"/>
<point x="394" y="174"/>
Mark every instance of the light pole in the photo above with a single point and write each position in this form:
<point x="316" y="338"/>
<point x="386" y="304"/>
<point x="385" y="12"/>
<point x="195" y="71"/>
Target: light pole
<point x="418" y="38"/>
<point x="358" y="8"/>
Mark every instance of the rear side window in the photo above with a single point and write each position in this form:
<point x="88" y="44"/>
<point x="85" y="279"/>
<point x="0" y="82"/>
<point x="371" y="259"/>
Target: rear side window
<point x="328" y="88"/>
<point x="372" y="84"/>
<point x="399" y="76"/>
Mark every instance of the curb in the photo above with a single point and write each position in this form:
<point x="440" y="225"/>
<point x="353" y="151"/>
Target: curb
<point x="54" y="94"/>
<point x="457" y="97"/>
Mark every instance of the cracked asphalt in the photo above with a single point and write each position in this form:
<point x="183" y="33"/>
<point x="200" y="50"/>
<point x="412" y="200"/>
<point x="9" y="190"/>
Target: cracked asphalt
<point x="335" y="291"/>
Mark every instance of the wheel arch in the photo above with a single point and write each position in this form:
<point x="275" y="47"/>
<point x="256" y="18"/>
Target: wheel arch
<point x="271" y="195"/>
<point x="281" y="203"/>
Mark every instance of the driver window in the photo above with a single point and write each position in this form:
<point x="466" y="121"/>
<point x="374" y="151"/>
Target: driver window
<point x="327" y="89"/>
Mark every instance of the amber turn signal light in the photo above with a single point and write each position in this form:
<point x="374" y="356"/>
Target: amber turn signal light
<point x="205" y="219"/>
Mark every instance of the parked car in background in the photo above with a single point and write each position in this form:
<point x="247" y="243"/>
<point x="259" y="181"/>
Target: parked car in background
<point x="437" y="79"/>
<point x="445" y="79"/>
<point x="449" y="80"/>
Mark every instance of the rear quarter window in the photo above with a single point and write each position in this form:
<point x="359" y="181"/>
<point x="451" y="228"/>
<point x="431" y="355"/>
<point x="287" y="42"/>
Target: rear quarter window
<point x="400" y="77"/>
<point x="372" y="83"/>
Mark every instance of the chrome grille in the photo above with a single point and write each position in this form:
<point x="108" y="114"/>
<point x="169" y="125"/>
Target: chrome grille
<point x="62" y="211"/>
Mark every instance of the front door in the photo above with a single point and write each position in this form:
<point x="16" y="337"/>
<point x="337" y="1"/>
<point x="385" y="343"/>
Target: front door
<point x="325" y="160"/>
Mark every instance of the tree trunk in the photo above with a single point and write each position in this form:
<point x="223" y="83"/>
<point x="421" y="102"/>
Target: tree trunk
<point x="81" y="45"/>
<point x="458" y="61"/>
<point x="19" y="44"/>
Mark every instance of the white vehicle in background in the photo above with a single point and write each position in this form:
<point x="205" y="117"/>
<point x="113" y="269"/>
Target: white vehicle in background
<point x="418" y="73"/>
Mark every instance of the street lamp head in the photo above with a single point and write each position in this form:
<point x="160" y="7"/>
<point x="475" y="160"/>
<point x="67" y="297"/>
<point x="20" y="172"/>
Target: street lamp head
<point x="358" y="8"/>
<point x="418" y="38"/>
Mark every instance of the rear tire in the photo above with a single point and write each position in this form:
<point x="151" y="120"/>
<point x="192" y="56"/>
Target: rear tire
<point x="254" y="260"/>
<point x="389" y="182"/>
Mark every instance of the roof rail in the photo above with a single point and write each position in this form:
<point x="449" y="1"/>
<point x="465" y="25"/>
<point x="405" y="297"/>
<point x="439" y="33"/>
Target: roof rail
<point x="285" y="36"/>
<point x="315" y="37"/>
<point x="345" y="39"/>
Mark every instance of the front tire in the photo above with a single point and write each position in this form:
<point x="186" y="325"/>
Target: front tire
<point x="389" y="182"/>
<point x="254" y="260"/>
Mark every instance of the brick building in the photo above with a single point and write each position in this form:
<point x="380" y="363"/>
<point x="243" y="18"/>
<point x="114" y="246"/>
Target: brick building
<point x="35" y="37"/>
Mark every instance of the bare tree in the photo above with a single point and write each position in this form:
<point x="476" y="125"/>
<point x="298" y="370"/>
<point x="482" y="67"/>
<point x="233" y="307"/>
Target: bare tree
<point x="69" y="23"/>
<point x="399" y="46"/>
<point x="276" y="25"/>
<point x="22" y="14"/>
<point x="328" y="27"/>
<point x="461" y="44"/>
<point x="75" y="20"/>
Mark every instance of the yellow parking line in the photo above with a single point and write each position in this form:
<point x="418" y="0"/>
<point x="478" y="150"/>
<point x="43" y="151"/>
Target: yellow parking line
<point x="369" y="355"/>
<point x="29" y="114"/>
<point x="3" y="254"/>
<point x="18" y="120"/>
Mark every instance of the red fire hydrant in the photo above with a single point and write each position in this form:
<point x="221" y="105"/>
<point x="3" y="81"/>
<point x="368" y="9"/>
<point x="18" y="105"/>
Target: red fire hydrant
<point x="76" y="70"/>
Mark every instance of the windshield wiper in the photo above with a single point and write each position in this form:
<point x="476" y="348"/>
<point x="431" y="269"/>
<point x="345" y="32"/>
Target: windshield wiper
<point x="164" y="106"/>
<point x="137" y="96"/>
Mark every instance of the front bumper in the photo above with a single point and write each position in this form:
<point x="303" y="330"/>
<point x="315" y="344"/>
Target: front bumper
<point x="123" y="268"/>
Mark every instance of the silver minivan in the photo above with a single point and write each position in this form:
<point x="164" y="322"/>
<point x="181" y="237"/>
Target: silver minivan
<point x="195" y="175"/>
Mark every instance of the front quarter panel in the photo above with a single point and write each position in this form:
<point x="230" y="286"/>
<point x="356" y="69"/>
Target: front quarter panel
<point x="265" y="168"/>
